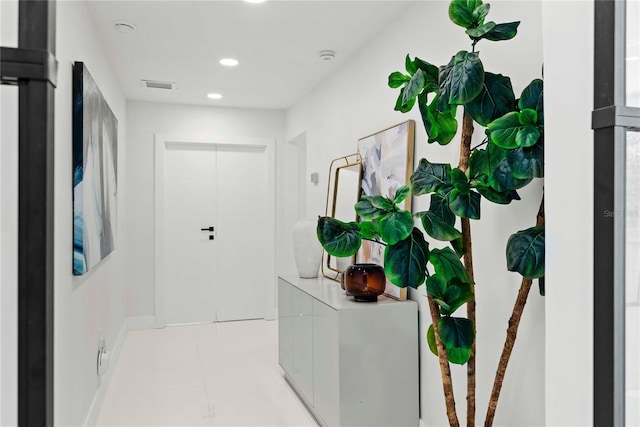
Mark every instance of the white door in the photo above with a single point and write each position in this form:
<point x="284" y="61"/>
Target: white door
<point x="217" y="275"/>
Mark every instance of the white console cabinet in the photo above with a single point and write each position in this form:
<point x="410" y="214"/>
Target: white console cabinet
<point x="352" y="363"/>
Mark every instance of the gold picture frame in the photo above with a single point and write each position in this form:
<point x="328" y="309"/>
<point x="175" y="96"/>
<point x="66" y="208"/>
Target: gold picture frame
<point x="343" y="192"/>
<point x="387" y="164"/>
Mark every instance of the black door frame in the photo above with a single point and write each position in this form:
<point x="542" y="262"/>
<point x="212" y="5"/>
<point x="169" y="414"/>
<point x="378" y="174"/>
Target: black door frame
<point x="611" y="119"/>
<point x="33" y="68"/>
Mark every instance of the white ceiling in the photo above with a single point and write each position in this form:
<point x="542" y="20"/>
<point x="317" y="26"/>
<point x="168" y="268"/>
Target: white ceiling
<point x="277" y="44"/>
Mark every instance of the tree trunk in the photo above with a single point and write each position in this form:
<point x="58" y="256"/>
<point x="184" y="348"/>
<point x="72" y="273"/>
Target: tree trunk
<point x="445" y="371"/>
<point x="465" y="153"/>
<point x="471" y="315"/>
<point x="512" y="332"/>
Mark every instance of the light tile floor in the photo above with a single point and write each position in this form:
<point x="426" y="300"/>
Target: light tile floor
<point x="218" y="374"/>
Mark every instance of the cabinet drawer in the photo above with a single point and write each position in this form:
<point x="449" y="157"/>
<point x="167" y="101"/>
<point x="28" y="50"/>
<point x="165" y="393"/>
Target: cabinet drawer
<point x="326" y="375"/>
<point x="303" y="343"/>
<point x="285" y="326"/>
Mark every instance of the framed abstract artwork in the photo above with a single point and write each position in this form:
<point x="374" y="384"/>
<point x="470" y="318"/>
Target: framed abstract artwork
<point x="95" y="153"/>
<point x="387" y="164"/>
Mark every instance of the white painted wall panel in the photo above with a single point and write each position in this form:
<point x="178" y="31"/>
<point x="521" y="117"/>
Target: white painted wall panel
<point x="568" y="59"/>
<point x="8" y="227"/>
<point x="96" y="301"/>
<point x="8" y="254"/>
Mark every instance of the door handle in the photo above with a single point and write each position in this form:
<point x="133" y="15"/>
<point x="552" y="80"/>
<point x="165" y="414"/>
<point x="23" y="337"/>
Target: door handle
<point x="210" y="229"/>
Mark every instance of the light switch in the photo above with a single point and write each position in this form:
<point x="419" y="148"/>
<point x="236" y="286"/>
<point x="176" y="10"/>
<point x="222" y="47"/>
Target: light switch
<point x="314" y="178"/>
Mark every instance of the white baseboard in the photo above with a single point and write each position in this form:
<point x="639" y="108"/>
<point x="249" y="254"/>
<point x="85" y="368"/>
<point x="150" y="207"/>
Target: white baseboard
<point x="130" y="324"/>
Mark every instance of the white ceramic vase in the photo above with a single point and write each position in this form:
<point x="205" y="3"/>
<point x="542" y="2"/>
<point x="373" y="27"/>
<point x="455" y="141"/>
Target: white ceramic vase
<point x="306" y="248"/>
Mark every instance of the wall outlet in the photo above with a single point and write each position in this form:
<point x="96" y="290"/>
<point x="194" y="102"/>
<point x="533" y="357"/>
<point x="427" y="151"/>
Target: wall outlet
<point x="103" y="356"/>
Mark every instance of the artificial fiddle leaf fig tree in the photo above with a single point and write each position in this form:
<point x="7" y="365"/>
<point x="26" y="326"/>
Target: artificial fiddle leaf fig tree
<point x="510" y="157"/>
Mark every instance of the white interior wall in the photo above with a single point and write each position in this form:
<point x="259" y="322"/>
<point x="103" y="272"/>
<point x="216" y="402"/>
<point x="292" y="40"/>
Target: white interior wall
<point x="144" y="120"/>
<point x="8" y="227"/>
<point x="355" y="101"/>
<point x="95" y="301"/>
<point x="568" y="59"/>
<point x="8" y="254"/>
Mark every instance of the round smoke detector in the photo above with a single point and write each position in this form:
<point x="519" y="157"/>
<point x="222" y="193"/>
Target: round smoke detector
<point x="326" y="55"/>
<point x="124" y="27"/>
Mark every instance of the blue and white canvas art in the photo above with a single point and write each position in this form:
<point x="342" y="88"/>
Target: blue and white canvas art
<point x="95" y="149"/>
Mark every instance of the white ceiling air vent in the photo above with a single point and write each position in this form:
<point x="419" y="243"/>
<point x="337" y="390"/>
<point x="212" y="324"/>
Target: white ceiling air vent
<point x="155" y="84"/>
<point x="326" y="55"/>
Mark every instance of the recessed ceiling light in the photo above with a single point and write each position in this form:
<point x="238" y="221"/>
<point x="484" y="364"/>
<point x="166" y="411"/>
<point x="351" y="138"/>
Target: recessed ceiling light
<point x="124" y="27"/>
<point x="255" y="1"/>
<point x="229" y="62"/>
<point x="214" y="96"/>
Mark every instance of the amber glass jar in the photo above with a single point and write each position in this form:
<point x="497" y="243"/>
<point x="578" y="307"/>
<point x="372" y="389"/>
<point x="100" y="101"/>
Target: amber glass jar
<point x="365" y="281"/>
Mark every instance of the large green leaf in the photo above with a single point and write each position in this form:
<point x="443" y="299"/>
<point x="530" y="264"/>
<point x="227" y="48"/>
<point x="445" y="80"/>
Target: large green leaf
<point x="410" y="65"/>
<point x="527" y="136"/>
<point x="495" y="100"/>
<point x="405" y="262"/>
<point x="429" y="177"/>
<point x="457" y="246"/>
<point x="527" y="162"/>
<point x="369" y="230"/>
<point x="460" y="181"/>
<point x="490" y="168"/>
<point x="461" y="12"/>
<point x="458" y="293"/>
<point x="503" y="131"/>
<point x="478" y="163"/>
<point x="397" y="79"/>
<point x="457" y="334"/>
<point x="439" y="205"/>
<point x="504" y="180"/>
<point x="431" y="340"/>
<point x="481" y="12"/>
<point x="441" y="127"/>
<point x="446" y="263"/>
<point x="383" y="203"/>
<point x="500" y="197"/>
<point x="396" y="226"/>
<point x="437" y="288"/>
<point x="461" y="80"/>
<point x="532" y="97"/>
<point x="528" y="116"/>
<point x="495" y="156"/>
<point x="431" y="73"/>
<point x="414" y="86"/>
<point x="438" y="228"/>
<point x="501" y="32"/>
<point x="448" y="295"/>
<point x="465" y="205"/>
<point x="525" y="252"/>
<point x="478" y="32"/>
<point x="401" y="194"/>
<point x="366" y="209"/>
<point x="338" y="238"/>
<point x="401" y="106"/>
<point x="515" y="129"/>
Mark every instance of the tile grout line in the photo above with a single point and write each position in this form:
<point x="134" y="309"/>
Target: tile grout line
<point x="204" y="383"/>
